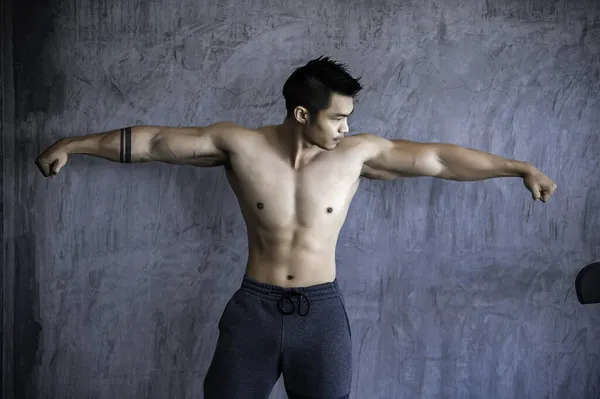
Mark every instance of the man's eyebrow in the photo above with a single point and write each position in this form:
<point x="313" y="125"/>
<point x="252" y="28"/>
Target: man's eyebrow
<point x="340" y="114"/>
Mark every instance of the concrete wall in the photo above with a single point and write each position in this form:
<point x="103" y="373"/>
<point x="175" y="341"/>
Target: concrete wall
<point x="7" y="199"/>
<point x="454" y="289"/>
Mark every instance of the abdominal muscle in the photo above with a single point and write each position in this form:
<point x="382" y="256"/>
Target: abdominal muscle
<point x="293" y="215"/>
<point x="291" y="258"/>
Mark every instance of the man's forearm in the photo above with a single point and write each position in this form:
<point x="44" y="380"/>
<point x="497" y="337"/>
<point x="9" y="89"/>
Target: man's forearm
<point x="467" y="164"/>
<point x="122" y="145"/>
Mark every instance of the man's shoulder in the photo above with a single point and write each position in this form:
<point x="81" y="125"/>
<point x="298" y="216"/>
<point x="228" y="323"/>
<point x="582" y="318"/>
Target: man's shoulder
<point x="363" y="140"/>
<point x="365" y="146"/>
<point x="240" y="139"/>
<point x="236" y="134"/>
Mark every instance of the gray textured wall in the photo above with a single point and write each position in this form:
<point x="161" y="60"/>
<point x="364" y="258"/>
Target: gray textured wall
<point x="7" y="197"/>
<point x="454" y="289"/>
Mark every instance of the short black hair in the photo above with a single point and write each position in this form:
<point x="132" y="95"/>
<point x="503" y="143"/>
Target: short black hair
<point x="311" y="85"/>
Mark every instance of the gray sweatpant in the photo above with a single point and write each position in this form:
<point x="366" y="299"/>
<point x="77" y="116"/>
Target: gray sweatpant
<point x="266" y="330"/>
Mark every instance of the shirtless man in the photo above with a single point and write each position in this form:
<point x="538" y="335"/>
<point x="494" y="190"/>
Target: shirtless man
<point x="294" y="183"/>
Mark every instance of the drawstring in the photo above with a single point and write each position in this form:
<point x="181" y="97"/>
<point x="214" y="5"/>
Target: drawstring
<point x="288" y="295"/>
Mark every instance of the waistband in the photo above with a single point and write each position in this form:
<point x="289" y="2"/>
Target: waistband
<point x="270" y="291"/>
<point x="285" y="295"/>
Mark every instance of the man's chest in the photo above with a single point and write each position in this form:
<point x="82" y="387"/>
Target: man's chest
<point x="279" y="194"/>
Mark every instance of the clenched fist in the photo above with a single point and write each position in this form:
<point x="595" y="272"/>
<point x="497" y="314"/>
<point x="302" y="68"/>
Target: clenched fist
<point x="540" y="185"/>
<point x="51" y="161"/>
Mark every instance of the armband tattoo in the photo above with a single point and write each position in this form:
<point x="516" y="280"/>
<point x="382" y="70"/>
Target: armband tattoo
<point x="126" y="145"/>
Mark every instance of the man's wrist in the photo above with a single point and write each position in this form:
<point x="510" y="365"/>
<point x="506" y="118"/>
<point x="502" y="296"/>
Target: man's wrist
<point x="66" y="144"/>
<point x="525" y="168"/>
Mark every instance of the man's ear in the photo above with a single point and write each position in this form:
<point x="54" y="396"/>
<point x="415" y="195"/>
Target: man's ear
<point x="301" y="115"/>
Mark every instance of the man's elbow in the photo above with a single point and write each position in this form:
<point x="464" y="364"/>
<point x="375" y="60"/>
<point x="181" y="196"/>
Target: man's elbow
<point x="428" y="163"/>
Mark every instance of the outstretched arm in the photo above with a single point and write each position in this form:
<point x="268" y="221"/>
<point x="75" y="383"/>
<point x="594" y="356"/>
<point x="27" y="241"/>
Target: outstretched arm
<point x="389" y="159"/>
<point x="200" y="146"/>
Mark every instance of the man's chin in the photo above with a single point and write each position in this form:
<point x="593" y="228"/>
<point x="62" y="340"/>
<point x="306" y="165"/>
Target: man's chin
<point x="328" y="146"/>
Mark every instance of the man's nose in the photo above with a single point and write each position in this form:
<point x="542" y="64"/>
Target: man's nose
<point x="344" y="128"/>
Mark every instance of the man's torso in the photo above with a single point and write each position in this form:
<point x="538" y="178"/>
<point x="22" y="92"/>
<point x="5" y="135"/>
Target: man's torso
<point x="293" y="214"/>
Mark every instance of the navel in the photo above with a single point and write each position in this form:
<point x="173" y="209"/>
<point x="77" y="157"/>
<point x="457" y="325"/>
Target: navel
<point x="290" y="277"/>
<point x="329" y="210"/>
<point x="260" y="205"/>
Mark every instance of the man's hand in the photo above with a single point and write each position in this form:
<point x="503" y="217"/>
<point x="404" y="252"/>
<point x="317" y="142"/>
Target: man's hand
<point x="540" y="185"/>
<point x="52" y="159"/>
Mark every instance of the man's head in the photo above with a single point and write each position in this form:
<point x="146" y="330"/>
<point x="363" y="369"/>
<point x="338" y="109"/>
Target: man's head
<point x="320" y="97"/>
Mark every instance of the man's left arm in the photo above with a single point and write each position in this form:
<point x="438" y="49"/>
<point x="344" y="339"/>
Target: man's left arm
<point x="402" y="158"/>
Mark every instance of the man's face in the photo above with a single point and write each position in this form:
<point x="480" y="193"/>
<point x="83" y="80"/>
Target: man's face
<point x="330" y="125"/>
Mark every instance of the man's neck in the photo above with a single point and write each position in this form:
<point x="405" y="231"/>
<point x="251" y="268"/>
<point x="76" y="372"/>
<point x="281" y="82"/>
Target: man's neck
<point x="290" y="136"/>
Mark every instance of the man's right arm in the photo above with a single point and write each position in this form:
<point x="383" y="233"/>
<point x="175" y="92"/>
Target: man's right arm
<point x="200" y="146"/>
